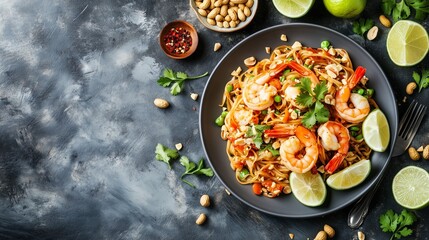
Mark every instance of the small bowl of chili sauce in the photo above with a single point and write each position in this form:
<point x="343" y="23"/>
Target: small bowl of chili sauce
<point x="178" y="39"/>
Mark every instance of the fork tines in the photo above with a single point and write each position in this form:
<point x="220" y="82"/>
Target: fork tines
<point x="411" y="120"/>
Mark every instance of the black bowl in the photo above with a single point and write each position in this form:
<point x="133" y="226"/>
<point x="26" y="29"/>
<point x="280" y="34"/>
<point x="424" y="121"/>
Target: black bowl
<point x="214" y="147"/>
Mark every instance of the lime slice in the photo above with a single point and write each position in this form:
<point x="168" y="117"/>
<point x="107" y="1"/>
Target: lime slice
<point x="350" y="176"/>
<point x="308" y="188"/>
<point x="411" y="187"/>
<point x="376" y="131"/>
<point x="407" y="43"/>
<point x="293" y="8"/>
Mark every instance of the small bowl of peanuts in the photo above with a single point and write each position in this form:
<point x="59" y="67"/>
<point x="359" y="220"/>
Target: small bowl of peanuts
<point x="225" y="15"/>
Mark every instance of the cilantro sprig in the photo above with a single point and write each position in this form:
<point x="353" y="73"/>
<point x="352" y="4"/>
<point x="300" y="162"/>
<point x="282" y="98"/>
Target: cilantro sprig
<point x="192" y="168"/>
<point x="397" y="223"/>
<point x="177" y="79"/>
<point x="312" y="98"/>
<point x="256" y="131"/>
<point x="402" y="9"/>
<point x="362" y="25"/>
<point x="422" y="80"/>
<point x="165" y="154"/>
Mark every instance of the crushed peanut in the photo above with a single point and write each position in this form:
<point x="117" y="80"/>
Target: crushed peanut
<point x="283" y="37"/>
<point x="217" y="46"/>
<point x="194" y="96"/>
<point x="179" y="146"/>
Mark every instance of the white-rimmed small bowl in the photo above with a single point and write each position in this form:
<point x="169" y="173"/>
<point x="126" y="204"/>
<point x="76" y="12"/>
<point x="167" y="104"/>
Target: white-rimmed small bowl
<point x="216" y="28"/>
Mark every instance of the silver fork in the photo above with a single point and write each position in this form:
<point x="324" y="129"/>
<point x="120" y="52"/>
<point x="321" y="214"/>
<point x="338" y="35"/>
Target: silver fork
<point x="407" y="130"/>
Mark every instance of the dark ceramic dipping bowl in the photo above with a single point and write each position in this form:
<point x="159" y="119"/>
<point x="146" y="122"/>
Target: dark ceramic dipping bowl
<point x="178" y="39"/>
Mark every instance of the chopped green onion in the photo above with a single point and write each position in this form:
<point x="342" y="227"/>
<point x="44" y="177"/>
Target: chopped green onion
<point x="229" y="88"/>
<point x="221" y="119"/>
<point x="265" y="112"/>
<point x="359" y="137"/>
<point x="370" y="92"/>
<point x="354" y="128"/>
<point x="353" y="133"/>
<point x="243" y="173"/>
<point x="361" y="91"/>
<point x="277" y="98"/>
<point x="325" y="44"/>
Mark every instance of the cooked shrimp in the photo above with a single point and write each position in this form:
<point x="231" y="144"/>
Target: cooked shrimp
<point x="292" y="152"/>
<point x="360" y="108"/>
<point x="335" y="137"/>
<point x="257" y="96"/>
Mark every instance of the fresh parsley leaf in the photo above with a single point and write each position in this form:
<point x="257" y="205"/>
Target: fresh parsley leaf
<point x="313" y="100"/>
<point x="165" y="154"/>
<point x="397" y="224"/>
<point x="421" y="7"/>
<point x="362" y="25"/>
<point x="177" y="79"/>
<point x="422" y="80"/>
<point x="192" y="168"/>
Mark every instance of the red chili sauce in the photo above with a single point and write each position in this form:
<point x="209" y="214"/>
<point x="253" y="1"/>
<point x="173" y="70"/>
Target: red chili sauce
<point x="178" y="40"/>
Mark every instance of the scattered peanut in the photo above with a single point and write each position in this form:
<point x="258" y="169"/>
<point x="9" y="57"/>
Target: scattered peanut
<point x="410" y="88"/>
<point x="250" y="61"/>
<point x="420" y="149"/>
<point x="291" y="235"/>
<point x="414" y="155"/>
<point x="217" y="46"/>
<point x="385" y="21"/>
<point x="201" y="219"/>
<point x="268" y="50"/>
<point x="179" y="146"/>
<point x="329" y="230"/>
<point x="194" y="96"/>
<point x="283" y="37"/>
<point x="161" y="103"/>
<point x="372" y="33"/>
<point x="205" y="200"/>
<point x="227" y="192"/>
<point x="224" y="13"/>
<point x="321" y="235"/>
<point x="426" y="152"/>
<point x="361" y="235"/>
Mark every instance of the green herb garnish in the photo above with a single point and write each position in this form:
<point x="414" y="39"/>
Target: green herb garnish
<point x="313" y="100"/>
<point x="256" y="132"/>
<point x="178" y="79"/>
<point x="397" y="224"/>
<point x="423" y="80"/>
<point x="362" y="25"/>
<point x="192" y="168"/>
<point x="165" y="154"/>
<point x="402" y="9"/>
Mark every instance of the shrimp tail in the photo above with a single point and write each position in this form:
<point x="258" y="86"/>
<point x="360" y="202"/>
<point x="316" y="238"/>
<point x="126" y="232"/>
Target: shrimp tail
<point x="356" y="77"/>
<point x="334" y="163"/>
<point x="267" y="76"/>
<point x="279" y="131"/>
<point x="303" y="71"/>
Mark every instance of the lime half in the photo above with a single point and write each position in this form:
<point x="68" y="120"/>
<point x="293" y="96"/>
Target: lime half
<point x="350" y="176"/>
<point x="308" y="188"/>
<point x="376" y="131"/>
<point x="345" y="8"/>
<point x="293" y="8"/>
<point x="411" y="187"/>
<point x="407" y="43"/>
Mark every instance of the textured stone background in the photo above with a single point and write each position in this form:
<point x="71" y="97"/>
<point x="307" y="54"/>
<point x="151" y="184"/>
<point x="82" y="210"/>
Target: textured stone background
<point x="78" y="128"/>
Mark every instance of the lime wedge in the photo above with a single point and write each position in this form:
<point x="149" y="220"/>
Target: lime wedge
<point x="407" y="43"/>
<point x="411" y="187"/>
<point x="293" y="8"/>
<point x="376" y="131"/>
<point x="350" y="176"/>
<point x="308" y="188"/>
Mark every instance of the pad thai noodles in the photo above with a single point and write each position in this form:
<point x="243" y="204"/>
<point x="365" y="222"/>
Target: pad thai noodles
<point x="299" y="110"/>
